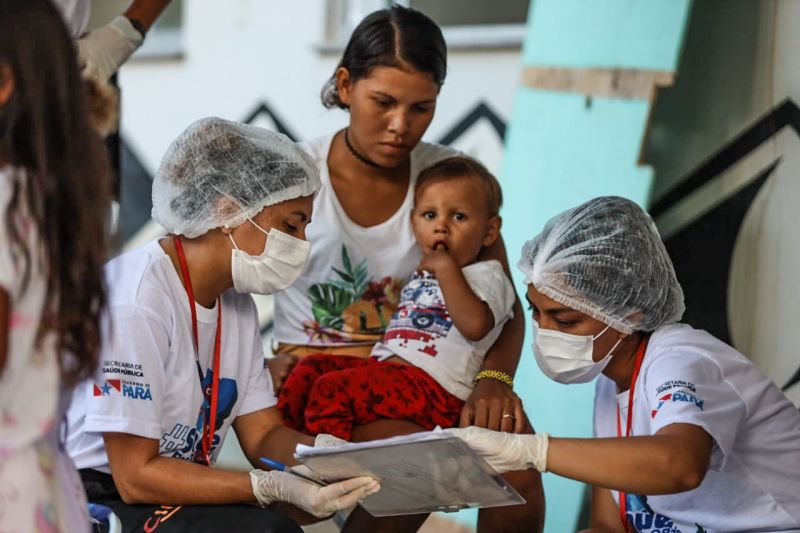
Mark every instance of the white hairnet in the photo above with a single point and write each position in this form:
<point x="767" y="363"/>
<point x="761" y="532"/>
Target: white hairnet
<point x="605" y="258"/>
<point x="220" y="173"/>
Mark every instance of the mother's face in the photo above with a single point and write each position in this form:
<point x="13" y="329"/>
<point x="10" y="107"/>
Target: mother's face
<point x="389" y="111"/>
<point x="550" y="314"/>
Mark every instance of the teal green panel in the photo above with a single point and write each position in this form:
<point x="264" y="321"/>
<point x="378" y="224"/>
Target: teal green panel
<point x="563" y="149"/>
<point x="606" y="33"/>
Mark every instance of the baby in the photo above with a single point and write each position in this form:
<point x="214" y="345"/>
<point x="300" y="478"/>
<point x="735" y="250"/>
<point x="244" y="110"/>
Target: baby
<point x="450" y="313"/>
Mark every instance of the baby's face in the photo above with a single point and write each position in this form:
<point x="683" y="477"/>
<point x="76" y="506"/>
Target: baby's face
<point x="452" y="216"/>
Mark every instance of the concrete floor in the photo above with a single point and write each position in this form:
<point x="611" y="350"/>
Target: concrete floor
<point x="434" y="524"/>
<point x="323" y="527"/>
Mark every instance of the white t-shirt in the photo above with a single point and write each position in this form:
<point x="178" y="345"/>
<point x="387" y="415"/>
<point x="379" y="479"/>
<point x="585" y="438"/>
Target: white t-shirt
<point x="351" y="284"/>
<point x="147" y="382"/>
<point x="422" y="332"/>
<point x="753" y="483"/>
<point x="34" y="471"/>
<point x="76" y="15"/>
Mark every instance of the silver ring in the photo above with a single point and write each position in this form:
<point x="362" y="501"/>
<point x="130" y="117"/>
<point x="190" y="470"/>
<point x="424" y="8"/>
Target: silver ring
<point x="508" y="416"/>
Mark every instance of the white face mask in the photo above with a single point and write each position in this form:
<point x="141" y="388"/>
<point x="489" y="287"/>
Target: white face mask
<point x="567" y="358"/>
<point x="279" y="265"/>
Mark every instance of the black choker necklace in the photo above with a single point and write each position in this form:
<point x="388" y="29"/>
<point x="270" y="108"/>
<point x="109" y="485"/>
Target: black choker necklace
<point x="364" y="159"/>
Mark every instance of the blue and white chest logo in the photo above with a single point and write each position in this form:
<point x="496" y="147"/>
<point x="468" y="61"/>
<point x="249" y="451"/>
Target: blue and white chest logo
<point x="128" y="389"/>
<point x="183" y="441"/>
<point x="677" y="396"/>
<point x="644" y="520"/>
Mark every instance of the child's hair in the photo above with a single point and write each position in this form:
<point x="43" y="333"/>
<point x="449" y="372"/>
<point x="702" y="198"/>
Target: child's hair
<point x="45" y="136"/>
<point x="462" y="167"/>
<point x="102" y="104"/>
<point x="395" y="37"/>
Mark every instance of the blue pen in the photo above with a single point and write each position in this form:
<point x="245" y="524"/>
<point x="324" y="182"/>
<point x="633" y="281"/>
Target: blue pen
<point x="277" y="465"/>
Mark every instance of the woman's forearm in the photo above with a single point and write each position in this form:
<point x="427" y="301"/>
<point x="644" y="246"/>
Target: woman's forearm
<point x="146" y="11"/>
<point x="169" y="481"/>
<point x="141" y="475"/>
<point x="262" y="434"/>
<point x="281" y="442"/>
<point x="658" y="464"/>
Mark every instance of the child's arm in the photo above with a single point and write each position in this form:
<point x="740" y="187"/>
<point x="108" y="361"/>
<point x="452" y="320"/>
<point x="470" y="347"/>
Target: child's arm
<point x="472" y="316"/>
<point x="491" y="399"/>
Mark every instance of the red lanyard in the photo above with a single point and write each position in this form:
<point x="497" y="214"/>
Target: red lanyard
<point x="212" y="395"/>
<point x="623" y="504"/>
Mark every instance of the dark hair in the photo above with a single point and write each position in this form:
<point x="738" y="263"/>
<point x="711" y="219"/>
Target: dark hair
<point x="460" y="167"/>
<point x="45" y="136"/>
<point x="398" y="37"/>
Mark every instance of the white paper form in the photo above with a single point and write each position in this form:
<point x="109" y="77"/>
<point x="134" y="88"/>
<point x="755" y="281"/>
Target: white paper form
<point x="419" y="473"/>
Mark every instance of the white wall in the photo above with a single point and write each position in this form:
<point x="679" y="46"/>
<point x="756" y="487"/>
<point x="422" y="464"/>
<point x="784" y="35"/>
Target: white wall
<point x="765" y="287"/>
<point x="239" y="53"/>
<point x="739" y="61"/>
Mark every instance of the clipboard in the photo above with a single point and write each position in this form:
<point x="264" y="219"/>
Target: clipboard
<point x="419" y="473"/>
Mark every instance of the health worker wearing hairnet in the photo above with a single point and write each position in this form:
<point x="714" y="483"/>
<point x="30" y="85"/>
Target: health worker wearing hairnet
<point x="182" y="359"/>
<point x="689" y="435"/>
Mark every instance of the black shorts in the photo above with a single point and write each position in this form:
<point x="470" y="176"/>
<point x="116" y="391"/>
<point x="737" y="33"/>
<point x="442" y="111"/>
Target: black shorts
<point x="100" y="489"/>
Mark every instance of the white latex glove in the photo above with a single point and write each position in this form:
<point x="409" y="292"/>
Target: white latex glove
<point x="506" y="452"/>
<point x="275" y="486"/>
<point x="324" y="440"/>
<point x="102" y="51"/>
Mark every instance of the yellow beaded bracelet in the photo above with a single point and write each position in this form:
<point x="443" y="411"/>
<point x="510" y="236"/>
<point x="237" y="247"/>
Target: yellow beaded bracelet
<point x="495" y="374"/>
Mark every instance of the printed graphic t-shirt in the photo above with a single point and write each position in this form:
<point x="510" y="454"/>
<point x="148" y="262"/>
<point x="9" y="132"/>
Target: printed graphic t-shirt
<point x="422" y="332"/>
<point x="29" y="382"/>
<point x="147" y="383"/>
<point x="40" y="489"/>
<point x="351" y="284"/>
<point x="688" y="376"/>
